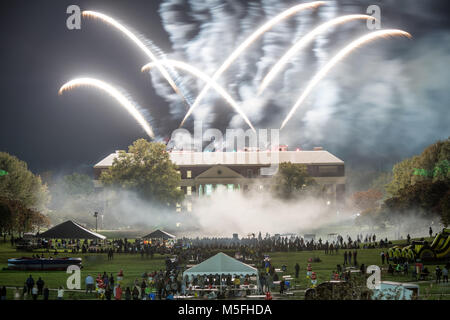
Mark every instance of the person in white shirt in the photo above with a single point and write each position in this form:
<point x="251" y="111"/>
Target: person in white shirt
<point x="34" y="293"/>
<point x="60" y="293"/>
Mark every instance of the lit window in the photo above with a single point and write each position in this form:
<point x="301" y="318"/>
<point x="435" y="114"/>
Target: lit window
<point x="208" y="189"/>
<point x="178" y="207"/>
<point x="189" y="190"/>
<point x="189" y="174"/>
<point x="230" y="187"/>
<point x="189" y="206"/>
<point x="179" y="172"/>
<point x="261" y="187"/>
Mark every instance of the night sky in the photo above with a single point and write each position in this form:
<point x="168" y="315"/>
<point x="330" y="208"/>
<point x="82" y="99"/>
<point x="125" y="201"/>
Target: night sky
<point x="74" y="131"/>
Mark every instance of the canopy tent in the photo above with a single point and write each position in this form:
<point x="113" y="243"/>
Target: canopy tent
<point x="159" y="234"/>
<point x="70" y="230"/>
<point x="221" y="264"/>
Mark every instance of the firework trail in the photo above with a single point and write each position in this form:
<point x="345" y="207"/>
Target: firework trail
<point x="338" y="57"/>
<point x="116" y="94"/>
<point x="303" y="42"/>
<point x="139" y="43"/>
<point x="252" y="38"/>
<point x="197" y="73"/>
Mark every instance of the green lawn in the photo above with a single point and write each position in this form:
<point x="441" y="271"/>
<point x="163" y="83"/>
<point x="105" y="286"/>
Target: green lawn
<point x="133" y="267"/>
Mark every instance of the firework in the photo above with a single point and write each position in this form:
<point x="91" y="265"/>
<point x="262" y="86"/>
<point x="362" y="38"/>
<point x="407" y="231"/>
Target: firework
<point x="303" y="42"/>
<point x="116" y="94"/>
<point x="139" y="43"/>
<point x="251" y="39"/>
<point x="337" y="58"/>
<point x="200" y="75"/>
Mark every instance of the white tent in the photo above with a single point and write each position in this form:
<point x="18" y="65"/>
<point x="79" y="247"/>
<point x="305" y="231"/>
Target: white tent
<point x="221" y="264"/>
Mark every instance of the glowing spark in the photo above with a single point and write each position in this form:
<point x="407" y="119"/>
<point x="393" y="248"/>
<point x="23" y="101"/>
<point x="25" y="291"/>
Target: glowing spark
<point x="139" y="43"/>
<point x="303" y="42"/>
<point x="123" y="101"/>
<point x="338" y="57"/>
<point x="252" y="38"/>
<point x="197" y="73"/>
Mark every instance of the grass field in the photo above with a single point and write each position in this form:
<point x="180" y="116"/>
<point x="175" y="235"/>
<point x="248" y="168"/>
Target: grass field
<point x="134" y="266"/>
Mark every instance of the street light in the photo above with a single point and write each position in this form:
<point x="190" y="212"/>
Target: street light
<point x="96" y="219"/>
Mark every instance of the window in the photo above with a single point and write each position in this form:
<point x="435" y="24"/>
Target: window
<point x="189" y="174"/>
<point x="189" y="190"/>
<point x="189" y="206"/>
<point x="230" y="187"/>
<point x="328" y="169"/>
<point x="178" y="207"/>
<point x="249" y="173"/>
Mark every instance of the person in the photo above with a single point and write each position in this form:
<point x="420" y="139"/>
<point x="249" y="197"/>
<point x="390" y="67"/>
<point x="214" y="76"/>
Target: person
<point x="438" y="274"/>
<point x="17" y="293"/>
<point x="382" y="257"/>
<point x="128" y="294"/>
<point x="297" y="270"/>
<point x="350" y="258"/>
<point x="3" y="293"/>
<point x="30" y="284"/>
<point x="118" y="293"/>
<point x="355" y="254"/>
<point x="408" y="239"/>
<point x="136" y="293"/>
<point x="282" y="286"/>
<point x="108" y="293"/>
<point x="345" y="258"/>
<point x="390" y="269"/>
<point x="60" y="293"/>
<point x="89" y="283"/>
<point x="445" y="274"/>
<point x="34" y="293"/>
<point x="46" y="293"/>
<point x="40" y="286"/>
<point x="430" y="231"/>
<point x="25" y="291"/>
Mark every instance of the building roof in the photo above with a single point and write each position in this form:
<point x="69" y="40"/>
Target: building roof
<point x="159" y="234"/>
<point x="185" y="158"/>
<point x="70" y="230"/>
<point x="223" y="265"/>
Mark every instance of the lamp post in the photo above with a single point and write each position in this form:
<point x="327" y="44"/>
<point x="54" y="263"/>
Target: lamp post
<point x="96" y="219"/>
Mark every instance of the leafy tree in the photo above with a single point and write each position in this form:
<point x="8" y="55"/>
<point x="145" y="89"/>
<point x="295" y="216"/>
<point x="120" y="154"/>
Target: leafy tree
<point x="425" y="197"/>
<point x="147" y="170"/>
<point x="21" y="184"/>
<point x="432" y="164"/>
<point x="16" y="217"/>
<point x="292" y="180"/>
<point x="364" y="200"/>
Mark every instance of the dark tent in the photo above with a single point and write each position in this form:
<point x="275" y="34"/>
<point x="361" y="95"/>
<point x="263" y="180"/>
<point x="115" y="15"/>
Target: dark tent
<point x="70" y="230"/>
<point x="159" y="234"/>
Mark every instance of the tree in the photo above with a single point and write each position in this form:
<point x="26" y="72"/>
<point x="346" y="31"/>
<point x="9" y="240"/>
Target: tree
<point x="427" y="198"/>
<point x="432" y="164"/>
<point x="21" y="184"/>
<point x="147" y="170"/>
<point x="364" y="200"/>
<point x="16" y="217"/>
<point x="292" y="180"/>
